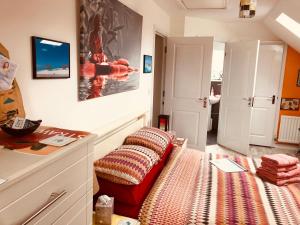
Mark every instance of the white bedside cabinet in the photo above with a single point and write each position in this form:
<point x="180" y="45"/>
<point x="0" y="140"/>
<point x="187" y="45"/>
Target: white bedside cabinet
<point x="53" y="189"/>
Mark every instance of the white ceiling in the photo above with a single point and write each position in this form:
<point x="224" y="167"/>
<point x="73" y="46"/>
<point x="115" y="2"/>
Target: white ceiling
<point x="290" y="8"/>
<point x="203" y="4"/>
<point x="230" y="13"/>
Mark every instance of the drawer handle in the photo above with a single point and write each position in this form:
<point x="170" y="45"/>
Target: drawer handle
<point x="53" y="198"/>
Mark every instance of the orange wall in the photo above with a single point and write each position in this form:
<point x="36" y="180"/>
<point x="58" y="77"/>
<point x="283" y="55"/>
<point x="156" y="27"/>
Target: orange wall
<point x="290" y="89"/>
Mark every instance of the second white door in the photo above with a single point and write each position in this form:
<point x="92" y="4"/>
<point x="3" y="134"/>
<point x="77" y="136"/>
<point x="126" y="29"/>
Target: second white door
<point x="266" y="93"/>
<point x="240" y="67"/>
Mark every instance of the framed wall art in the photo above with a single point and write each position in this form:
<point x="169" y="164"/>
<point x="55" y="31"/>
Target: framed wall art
<point x="147" y="64"/>
<point x="290" y="104"/>
<point x="50" y="59"/>
<point x="110" y="48"/>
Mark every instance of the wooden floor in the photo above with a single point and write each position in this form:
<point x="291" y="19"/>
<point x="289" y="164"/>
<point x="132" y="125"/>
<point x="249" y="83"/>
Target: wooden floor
<point x="255" y="151"/>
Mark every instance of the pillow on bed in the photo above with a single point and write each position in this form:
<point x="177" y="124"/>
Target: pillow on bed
<point x="152" y="138"/>
<point x="132" y="196"/>
<point x="128" y="164"/>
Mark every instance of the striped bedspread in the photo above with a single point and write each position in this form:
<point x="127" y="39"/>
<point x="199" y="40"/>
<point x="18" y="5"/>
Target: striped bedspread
<point x="190" y="190"/>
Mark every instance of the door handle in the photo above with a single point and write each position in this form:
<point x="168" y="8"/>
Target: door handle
<point x="272" y="98"/>
<point x="204" y="101"/>
<point x="249" y="100"/>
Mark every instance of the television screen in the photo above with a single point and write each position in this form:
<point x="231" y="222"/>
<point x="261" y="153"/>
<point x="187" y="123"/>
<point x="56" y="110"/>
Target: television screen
<point x="51" y="59"/>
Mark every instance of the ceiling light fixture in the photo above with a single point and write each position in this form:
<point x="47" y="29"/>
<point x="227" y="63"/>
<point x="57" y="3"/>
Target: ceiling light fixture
<point x="289" y="23"/>
<point x="247" y="8"/>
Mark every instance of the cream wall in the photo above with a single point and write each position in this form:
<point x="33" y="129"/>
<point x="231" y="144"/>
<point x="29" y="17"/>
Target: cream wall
<point x="56" y="101"/>
<point x="227" y="31"/>
<point x="177" y="25"/>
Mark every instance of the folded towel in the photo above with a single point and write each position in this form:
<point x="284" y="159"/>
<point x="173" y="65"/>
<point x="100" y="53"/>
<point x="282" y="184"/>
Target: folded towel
<point x="279" y="175"/>
<point x="280" y="160"/>
<point x="279" y="182"/>
<point x="277" y="169"/>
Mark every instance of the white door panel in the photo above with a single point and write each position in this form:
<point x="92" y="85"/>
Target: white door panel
<point x="240" y="68"/>
<point x="188" y="72"/>
<point x="186" y="78"/>
<point x="266" y="86"/>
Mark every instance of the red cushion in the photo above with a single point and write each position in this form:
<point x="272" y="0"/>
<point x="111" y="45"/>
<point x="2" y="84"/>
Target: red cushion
<point x="150" y="137"/>
<point x="128" y="164"/>
<point x="133" y="194"/>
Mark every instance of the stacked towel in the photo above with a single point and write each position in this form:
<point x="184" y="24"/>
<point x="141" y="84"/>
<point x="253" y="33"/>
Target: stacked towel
<point x="279" y="169"/>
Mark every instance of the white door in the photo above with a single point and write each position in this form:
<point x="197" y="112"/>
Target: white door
<point x="266" y="94"/>
<point x="188" y="72"/>
<point x="240" y="67"/>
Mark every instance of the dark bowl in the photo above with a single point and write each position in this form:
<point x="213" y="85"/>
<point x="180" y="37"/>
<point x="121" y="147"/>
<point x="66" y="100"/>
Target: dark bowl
<point x="21" y="132"/>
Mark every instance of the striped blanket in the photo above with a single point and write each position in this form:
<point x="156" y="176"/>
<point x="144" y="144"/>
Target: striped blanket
<point x="190" y="190"/>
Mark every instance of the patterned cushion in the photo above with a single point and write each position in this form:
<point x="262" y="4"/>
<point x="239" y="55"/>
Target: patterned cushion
<point x="152" y="138"/>
<point x="128" y="164"/>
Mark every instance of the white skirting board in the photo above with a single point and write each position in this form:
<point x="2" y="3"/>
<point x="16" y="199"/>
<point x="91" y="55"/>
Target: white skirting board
<point x="289" y="130"/>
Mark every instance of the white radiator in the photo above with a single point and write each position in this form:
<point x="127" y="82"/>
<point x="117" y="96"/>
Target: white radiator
<point x="289" y="129"/>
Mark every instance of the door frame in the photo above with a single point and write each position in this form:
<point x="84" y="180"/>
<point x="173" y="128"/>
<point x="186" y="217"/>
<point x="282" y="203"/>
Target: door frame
<point x="280" y="86"/>
<point x="156" y="31"/>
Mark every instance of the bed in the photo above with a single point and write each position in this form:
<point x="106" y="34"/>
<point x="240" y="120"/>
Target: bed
<point x="189" y="190"/>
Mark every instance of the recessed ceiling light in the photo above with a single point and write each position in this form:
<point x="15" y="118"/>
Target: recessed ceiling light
<point x="289" y="23"/>
<point x="46" y="42"/>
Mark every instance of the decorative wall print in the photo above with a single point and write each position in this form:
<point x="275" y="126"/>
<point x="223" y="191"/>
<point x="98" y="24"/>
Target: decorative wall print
<point x="7" y="73"/>
<point x="110" y="48"/>
<point x="147" y="64"/>
<point x="290" y="104"/>
<point x="50" y="59"/>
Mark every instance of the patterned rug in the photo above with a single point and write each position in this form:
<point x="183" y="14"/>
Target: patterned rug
<point x="190" y="190"/>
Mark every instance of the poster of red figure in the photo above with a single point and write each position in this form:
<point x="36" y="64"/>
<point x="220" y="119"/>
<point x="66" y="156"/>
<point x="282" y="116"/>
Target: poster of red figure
<point x="110" y="48"/>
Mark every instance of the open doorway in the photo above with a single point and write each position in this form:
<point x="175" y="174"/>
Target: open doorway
<point x="158" y="77"/>
<point x="215" y="92"/>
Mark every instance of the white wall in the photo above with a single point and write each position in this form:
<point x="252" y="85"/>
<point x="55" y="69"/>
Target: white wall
<point x="56" y="101"/>
<point x="227" y="31"/>
<point x="177" y="25"/>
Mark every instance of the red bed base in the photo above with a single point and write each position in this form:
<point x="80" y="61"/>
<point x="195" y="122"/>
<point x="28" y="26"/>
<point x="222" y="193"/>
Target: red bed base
<point x="129" y="198"/>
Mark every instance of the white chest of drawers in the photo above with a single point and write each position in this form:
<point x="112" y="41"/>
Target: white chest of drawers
<point x="54" y="189"/>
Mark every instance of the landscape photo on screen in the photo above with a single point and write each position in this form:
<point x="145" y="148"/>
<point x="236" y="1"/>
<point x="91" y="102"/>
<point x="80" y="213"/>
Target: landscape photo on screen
<point x="110" y="48"/>
<point x="51" y="59"/>
<point x="147" y="64"/>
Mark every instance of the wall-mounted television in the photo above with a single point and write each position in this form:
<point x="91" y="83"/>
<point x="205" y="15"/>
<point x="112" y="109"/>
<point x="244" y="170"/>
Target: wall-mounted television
<point x="50" y="59"/>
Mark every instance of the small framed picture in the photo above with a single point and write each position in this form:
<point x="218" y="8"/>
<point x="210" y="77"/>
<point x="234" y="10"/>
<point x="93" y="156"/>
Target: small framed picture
<point x="147" y="64"/>
<point x="50" y="59"/>
<point x="290" y="104"/>
<point x="298" y="79"/>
